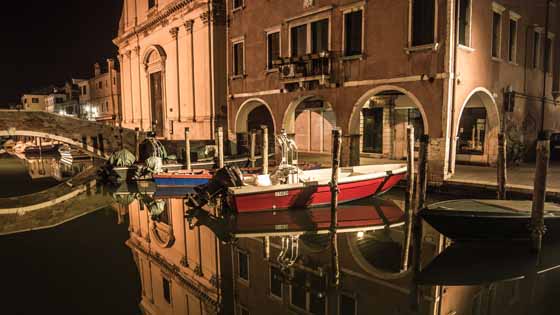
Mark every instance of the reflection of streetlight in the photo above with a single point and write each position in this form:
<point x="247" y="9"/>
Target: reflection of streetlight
<point x="360" y="234"/>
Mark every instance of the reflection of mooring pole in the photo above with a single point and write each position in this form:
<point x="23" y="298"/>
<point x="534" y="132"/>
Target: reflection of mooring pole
<point x="220" y="143"/>
<point x="264" y="151"/>
<point x="337" y="140"/>
<point x="137" y="143"/>
<point x="266" y="248"/>
<point x="409" y="197"/>
<point x="187" y="149"/>
<point x="422" y="172"/>
<point x="539" y="191"/>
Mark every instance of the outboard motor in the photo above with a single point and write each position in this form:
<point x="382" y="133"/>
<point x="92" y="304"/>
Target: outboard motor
<point x="228" y="176"/>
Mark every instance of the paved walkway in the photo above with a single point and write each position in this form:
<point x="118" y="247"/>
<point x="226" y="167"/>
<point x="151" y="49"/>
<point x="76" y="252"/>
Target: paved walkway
<point x="520" y="178"/>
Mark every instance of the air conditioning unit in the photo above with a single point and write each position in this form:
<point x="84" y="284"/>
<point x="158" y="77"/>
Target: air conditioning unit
<point x="288" y="71"/>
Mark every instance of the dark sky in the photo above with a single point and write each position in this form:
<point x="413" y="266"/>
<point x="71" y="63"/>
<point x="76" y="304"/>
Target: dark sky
<point x="48" y="41"/>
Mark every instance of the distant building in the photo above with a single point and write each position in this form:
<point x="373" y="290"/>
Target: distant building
<point x="173" y="62"/>
<point x="99" y="96"/>
<point x="34" y="101"/>
<point x="63" y="100"/>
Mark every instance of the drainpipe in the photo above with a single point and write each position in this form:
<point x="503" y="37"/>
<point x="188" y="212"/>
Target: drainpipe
<point x="453" y="91"/>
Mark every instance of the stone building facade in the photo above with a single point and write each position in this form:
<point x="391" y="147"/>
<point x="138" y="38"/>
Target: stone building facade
<point x="374" y="67"/>
<point x="33" y="101"/>
<point x="172" y="57"/>
<point x="100" y="96"/>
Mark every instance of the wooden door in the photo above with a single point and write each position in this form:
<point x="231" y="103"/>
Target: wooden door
<point x="157" y="102"/>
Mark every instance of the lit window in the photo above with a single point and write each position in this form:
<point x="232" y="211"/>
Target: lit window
<point x="273" y="48"/>
<point x="353" y="33"/>
<point x="243" y="266"/>
<point x="298" y="37"/>
<point x="464" y="22"/>
<point x="167" y="290"/>
<point x="238" y="59"/>
<point x="320" y="36"/>
<point x="423" y="22"/>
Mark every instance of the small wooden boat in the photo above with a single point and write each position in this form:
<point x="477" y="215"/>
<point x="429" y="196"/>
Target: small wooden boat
<point x="182" y="178"/>
<point x="42" y="149"/>
<point x="68" y="154"/>
<point x="311" y="188"/>
<point x="474" y="220"/>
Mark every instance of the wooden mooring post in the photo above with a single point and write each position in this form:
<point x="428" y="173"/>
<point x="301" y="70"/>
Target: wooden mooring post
<point x="266" y="247"/>
<point x="253" y="139"/>
<point x="187" y="149"/>
<point x="409" y="198"/>
<point x="137" y="143"/>
<point x="264" y="151"/>
<point x="220" y="144"/>
<point x="337" y="141"/>
<point x="539" y="190"/>
<point x="422" y="185"/>
<point x="502" y="166"/>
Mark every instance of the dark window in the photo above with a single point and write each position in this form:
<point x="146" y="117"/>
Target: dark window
<point x="496" y="34"/>
<point x="373" y="130"/>
<point x="353" y="33"/>
<point x="114" y="81"/>
<point x="238" y="59"/>
<point x="472" y="130"/>
<point x="59" y="100"/>
<point x="320" y="36"/>
<point x="151" y="4"/>
<point x="84" y="90"/>
<point x="423" y="22"/>
<point x="548" y="55"/>
<point x="347" y="305"/>
<point x="24" y="101"/>
<point x="100" y="84"/>
<point x="512" y="49"/>
<point x="273" y="40"/>
<point x="299" y="40"/>
<point x="34" y="100"/>
<point x="536" y="48"/>
<point x="464" y="21"/>
<point x="167" y="290"/>
<point x="275" y="282"/>
<point x="298" y="292"/>
<point x="243" y="266"/>
<point x="237" y="4"/>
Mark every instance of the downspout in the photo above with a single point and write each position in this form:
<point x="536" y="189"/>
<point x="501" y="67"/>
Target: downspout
<point x="453" y="90"/>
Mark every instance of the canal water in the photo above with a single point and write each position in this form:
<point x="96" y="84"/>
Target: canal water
<point x="127" y="249"/>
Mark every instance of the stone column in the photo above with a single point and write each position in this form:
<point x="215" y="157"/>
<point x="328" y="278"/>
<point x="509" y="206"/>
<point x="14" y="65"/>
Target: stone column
<point x="189" y="29"/>
<point x="137" y="50"/>
<point x="129" y="57"/>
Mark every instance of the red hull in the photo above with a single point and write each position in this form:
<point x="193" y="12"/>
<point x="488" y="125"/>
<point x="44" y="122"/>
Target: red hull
<point x="313" y="196"/>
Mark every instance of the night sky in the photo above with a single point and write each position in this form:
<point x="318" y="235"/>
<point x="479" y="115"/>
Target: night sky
<point x="47" y="42"/>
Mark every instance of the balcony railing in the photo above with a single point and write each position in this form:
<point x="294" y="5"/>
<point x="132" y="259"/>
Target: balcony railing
<point x="309" y="67"/>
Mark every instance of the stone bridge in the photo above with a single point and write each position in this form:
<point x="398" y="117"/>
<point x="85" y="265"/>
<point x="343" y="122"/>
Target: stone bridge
<point x="94" y="137"/>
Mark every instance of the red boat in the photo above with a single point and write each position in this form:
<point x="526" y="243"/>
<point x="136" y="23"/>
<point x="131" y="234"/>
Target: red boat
<point x="311" y="188"/>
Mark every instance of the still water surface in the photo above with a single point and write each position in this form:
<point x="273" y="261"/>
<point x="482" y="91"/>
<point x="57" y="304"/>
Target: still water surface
<point x="128" y="250"/>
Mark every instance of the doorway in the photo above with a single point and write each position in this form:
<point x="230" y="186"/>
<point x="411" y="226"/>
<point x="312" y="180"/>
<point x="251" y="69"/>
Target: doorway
<point x="156" y="102"/>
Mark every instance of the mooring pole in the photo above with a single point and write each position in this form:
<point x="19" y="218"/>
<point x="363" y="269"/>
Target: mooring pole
<point x="220" y="143"/>
<point x="337" y="140"/>
<point x="40" y="148"/>
<point x="539" y="190"/>
<point x="187" y="149"/>
<point x="253" y="139"/>
<point x="137" y="143"/>
<point x="121" y="138"/>
<point x="264" y="151"/>
<point x="415" y="295"/>
<point x="409" y="197"/>
<point x="422" y="172"/>
<point x="502" y="166"/>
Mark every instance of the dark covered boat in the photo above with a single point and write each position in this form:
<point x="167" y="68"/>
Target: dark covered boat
<point x="477" y="220"/>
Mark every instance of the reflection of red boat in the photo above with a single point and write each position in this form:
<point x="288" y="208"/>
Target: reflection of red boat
<point x="311" y="188"/>
<point x="318" y="220"/>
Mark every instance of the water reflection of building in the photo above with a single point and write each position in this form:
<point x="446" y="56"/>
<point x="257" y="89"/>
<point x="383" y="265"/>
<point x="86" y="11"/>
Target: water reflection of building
<point x="52" y="167"/>
<point x="191" y="272"/>
<point x="181" y="269"/>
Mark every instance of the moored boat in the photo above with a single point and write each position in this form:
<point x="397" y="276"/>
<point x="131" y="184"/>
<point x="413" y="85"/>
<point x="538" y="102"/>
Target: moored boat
<point x="42" y="149"/>
<point x="475" y="220"/>
<point x="182" y="178"/>
<point x="312" y="189"/>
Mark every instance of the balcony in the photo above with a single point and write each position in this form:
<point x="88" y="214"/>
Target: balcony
<point x="305" y="72"/>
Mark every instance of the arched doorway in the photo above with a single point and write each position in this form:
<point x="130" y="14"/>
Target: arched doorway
<point x="154" y="64"/>
<point x="380" y="119"/>
<point x="477" y="130"/>
<point x="251" y="116"/>
<point x="310" y="120"/>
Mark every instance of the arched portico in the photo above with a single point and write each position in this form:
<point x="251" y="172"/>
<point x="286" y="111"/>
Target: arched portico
<point x="378" y="122"/>
<point x="476" y="129"/>
<point x="252" y="114"/>
<point x="310" y="120"/>
<point x="242" y="116"/>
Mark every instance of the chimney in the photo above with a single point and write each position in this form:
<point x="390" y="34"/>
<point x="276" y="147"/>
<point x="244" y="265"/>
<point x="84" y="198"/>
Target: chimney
<point x="97" y="69"/>
<point x="110" y="64"/>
